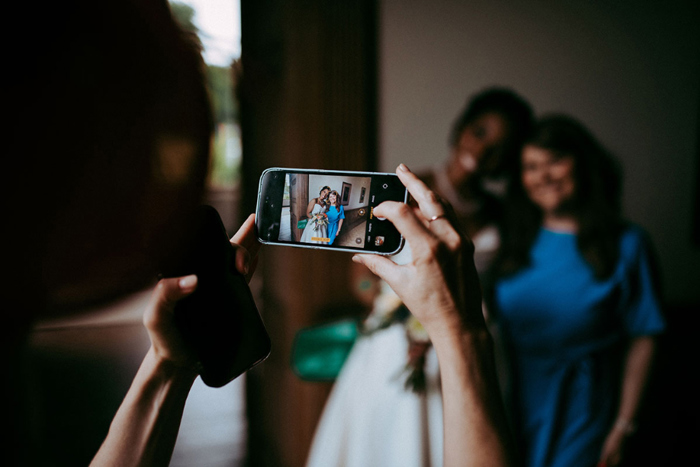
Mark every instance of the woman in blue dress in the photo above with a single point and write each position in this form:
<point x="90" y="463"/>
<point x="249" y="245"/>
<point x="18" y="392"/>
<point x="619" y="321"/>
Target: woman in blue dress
<point x="577" y="301"/>
<point x="335" y="214"/>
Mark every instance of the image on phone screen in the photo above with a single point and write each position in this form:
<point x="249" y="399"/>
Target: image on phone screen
<point x="328" y="209"/>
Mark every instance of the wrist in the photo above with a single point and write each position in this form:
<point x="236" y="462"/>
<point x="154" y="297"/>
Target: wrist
<point x="625" y="426"/>
<point x="461" y="339"/>
<point x="168" y="369"/>
<point x="454" y="326"/>
<point x="467" y="361"/>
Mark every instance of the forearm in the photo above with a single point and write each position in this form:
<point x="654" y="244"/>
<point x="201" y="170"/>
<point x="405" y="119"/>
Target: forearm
<point x="635" y="378"/>
<point x="441" y="288"/>
<point x="475" y="427"/>
<point x="145" y="427"/>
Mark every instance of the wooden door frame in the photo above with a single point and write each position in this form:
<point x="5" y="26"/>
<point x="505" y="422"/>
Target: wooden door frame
<point x="308" y="99"/>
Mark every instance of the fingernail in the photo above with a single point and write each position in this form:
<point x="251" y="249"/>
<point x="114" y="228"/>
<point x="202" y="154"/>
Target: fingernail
<point x="403" y="168"/>
<point x="357" y="259"/>
<point x="188" y="282"/>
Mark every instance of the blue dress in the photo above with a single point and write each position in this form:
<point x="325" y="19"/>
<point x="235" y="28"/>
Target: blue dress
<point x="333" y="217"/>
<point x="566" y="333"/>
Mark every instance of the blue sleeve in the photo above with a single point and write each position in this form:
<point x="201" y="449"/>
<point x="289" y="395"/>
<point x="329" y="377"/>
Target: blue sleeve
<point x="642" y="314"/>
<point x="342" y="213"/>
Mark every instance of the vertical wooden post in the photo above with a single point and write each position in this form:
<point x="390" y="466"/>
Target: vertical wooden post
<point x="308" y="99"/>
<point x="300" y="190"/>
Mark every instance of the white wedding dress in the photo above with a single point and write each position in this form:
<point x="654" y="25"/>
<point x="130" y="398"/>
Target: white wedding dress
<point x="320" y="231"/>
<point x="370" y="418"/>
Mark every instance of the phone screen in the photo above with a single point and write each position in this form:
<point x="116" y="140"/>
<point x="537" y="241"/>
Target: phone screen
<point x="328" y="209"/>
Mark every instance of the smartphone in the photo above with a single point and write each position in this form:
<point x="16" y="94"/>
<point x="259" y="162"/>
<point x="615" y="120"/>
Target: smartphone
<point x="328" y="209"/>
<point x="219" y="320"/>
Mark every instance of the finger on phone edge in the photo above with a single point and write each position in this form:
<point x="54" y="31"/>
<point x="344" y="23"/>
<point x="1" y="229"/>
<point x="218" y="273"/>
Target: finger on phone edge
<point x="379" y="265"/>
<point x="406" y="221"/>
<point x="170" y="290"/>
<point x="415" y="186"/>
<point x="242" y="259"/>
<point x="246" y="237"/>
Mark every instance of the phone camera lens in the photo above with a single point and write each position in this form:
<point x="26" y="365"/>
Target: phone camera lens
<point x="385" y="186"/>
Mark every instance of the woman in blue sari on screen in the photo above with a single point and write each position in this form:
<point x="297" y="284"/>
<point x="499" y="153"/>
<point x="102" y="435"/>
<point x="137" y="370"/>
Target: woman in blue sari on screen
<point x="335" y="214"/>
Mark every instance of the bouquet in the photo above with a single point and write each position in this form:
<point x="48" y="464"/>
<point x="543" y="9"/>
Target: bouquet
<point x="389" y="309"/>
<point x="319" y="219"/>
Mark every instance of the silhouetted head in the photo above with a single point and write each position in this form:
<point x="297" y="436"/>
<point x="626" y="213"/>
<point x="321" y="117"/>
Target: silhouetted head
<point x="109" y="148"/>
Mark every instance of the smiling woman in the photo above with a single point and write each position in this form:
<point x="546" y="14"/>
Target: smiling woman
<point x="568" y="181"/>
<point x="577" y="300"/>
<point x="548" y="179"/>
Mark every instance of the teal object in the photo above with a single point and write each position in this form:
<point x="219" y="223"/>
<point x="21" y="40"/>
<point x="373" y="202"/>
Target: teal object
<point x="302" y="223"/>
<point x="319" y="352"/>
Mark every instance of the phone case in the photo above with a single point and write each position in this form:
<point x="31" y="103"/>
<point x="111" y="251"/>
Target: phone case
<point x="219" y="320"/>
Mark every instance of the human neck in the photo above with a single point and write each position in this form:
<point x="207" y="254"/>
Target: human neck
<point x="560" y="222"/>
<point x="463" y="205"/>
<point x="462" y="182"/>
<point x="459" y="179"/>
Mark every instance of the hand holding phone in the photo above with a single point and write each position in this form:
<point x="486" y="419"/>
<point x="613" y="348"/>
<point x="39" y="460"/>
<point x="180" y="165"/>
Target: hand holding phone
<point x="328" y="209"/>
<point x="440" y="285"/>
<point x="219" y="320"/>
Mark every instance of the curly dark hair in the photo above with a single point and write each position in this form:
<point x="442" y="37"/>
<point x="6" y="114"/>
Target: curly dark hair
<point x="596" y="204"/>
<point x="515" y="110"/>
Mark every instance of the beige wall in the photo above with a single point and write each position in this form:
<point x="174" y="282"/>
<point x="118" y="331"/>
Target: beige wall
<point x="631" y="73"/>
